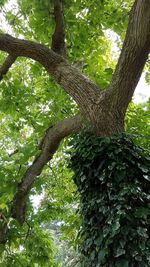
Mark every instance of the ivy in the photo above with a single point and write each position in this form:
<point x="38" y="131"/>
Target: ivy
<point x="113" y="179"/>
<point x="30" y="102"/>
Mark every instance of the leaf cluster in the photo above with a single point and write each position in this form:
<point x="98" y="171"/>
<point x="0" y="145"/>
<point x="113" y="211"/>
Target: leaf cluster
<point x="113" y="178"/>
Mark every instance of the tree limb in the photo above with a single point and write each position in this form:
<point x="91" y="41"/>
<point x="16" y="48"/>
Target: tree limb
<point x="133" y="57"/>
<point x="58" y="38"/>
<point x="75" y="84"/>
<point x="6" y="65"/>
<point x="54" y="135"/>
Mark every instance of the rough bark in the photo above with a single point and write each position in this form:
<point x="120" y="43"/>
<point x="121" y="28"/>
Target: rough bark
<point x="75" y="84"/>
<point x="48" y="147"/>
<point x="93" y="103"/>
<point x="6" y="65"/>
<point x="133" y="56"/>
<point x="58" y="38"/>
<point x="104" y="110"/>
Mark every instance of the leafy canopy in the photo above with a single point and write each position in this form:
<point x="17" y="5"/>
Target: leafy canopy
<point x="30" y="101"/>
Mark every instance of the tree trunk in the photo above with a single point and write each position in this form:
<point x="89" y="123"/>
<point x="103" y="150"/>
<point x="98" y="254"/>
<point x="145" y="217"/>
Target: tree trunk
<point x="112" y="178"/>
<point x="104" y="176"/>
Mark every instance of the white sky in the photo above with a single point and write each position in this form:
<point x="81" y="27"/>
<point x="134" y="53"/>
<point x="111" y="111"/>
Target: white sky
<point x="142" y="92"/>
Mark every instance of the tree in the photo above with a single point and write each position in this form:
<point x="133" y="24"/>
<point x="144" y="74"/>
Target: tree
<point x="101" y="112"/>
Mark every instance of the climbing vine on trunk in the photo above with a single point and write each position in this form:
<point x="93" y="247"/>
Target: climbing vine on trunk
<point x="113" y="179"/>
<point x="40" y="111"/>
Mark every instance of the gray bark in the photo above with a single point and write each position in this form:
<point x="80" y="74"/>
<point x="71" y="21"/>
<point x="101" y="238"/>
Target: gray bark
<point x="103" y="110"/>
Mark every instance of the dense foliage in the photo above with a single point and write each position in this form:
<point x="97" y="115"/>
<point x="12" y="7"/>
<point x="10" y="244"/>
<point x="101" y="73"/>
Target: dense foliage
<point x="137" y="123"/>
<point x="31" y="101"/>
<point x="113" y="178"/>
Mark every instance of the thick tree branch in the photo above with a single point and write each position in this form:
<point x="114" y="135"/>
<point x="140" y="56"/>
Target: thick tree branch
<point x="133" y="57"/>
<point x="48" y="147"/>
<point x="58" y="38"/>
<point x="75" y="84"/>
<point x="6" y="65"/>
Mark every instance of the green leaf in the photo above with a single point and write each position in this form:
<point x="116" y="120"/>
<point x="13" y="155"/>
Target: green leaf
<point x="142" y="232"/>
<point x="101" y="255"/>
<point x="119" y="252"/>
<point x="142" y="213"/>
<point x="122" y="263"/>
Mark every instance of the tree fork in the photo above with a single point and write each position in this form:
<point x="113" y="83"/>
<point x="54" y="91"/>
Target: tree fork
<point x="105" y="111"/>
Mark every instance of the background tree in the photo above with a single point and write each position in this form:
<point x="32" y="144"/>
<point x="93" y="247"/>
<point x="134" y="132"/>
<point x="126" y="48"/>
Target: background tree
<point x="35" y="100"/>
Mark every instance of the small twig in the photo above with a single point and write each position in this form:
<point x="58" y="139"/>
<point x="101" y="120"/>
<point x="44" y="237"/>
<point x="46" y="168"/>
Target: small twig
<point x="12" y="22"/>
<point x="14" y="152"/>
<point x="2" y="217"/>
<point x="19" y="169"/>
<point x="54" y="175"/>
<point x="28" y="232"/>
<point x="6" y="65"/>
